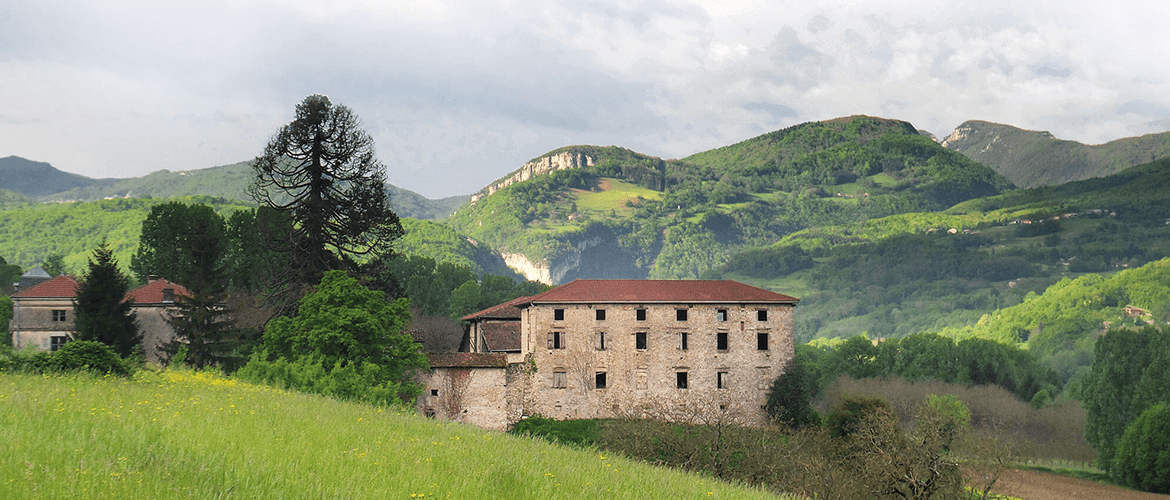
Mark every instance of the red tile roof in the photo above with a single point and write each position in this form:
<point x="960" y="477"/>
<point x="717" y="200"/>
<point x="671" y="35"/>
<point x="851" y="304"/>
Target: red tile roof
<point x="507" y="310"/>
<point x="658" y="291"/>
<point x="467" y="360"/>
<point x="152" y="293"/>
<point x="61" y="287"/>
<point x="501" y="335"/>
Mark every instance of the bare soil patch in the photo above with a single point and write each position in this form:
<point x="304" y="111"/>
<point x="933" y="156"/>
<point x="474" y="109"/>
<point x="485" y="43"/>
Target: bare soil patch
<point x="1036" y="485"/>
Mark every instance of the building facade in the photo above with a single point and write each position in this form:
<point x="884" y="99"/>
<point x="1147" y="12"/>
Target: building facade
<point x="611" y="348"/>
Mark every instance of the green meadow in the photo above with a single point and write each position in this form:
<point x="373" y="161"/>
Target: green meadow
<point x="184" y="434"/>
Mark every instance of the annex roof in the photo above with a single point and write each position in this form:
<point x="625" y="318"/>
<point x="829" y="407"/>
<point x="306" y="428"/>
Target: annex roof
<point x="507" y="310"/>
<point x="467" y="360"/>
<point x="501" y="335"/>
<point x="152" y="293"/>
<point x="61" y="287"/>
<point x="659" y="291"/>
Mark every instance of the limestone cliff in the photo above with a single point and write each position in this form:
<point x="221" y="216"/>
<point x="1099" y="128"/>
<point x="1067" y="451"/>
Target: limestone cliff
<point x="564" y="160"/>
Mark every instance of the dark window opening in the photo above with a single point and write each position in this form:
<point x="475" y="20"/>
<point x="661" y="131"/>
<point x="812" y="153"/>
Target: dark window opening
<point x="682" y="340"/>
<point x="434" y="392"/>
<point x="721" y="341"/>
<point x="558" y="314"/>
<point x="600" y="341"/>
<point x="680" y="380"/>
<point x="599" y="380"/>
<point x="58" y="315"/>
<point x="762" y="315"/>
<point x="57" y="341"/>
<point x="556" y="340"/>
<point x="680" y="314"/>
<point x="721" y="380"/>
<point x="640" y="340"/>
<point x="762" y="341"/>
<point x="640" y="314"/>
<point x="721" y="315"/>
<point x="601" y="315"/>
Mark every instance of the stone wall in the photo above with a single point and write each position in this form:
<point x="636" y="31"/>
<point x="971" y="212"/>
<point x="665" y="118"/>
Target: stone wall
<point x="637" y="380"/>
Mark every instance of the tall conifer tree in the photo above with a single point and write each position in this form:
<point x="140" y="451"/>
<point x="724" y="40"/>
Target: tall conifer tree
<point x="101" y="311"/>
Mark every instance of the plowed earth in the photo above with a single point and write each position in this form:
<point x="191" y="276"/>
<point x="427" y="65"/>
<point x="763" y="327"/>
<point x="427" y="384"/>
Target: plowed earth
<point x="1035" y="485"/>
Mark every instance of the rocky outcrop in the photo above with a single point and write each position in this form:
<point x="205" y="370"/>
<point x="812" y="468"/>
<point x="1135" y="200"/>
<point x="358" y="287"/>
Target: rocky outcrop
<point x="564" y="160"/>
<point x="531" y="271"/>
<point x="595" y="253"/>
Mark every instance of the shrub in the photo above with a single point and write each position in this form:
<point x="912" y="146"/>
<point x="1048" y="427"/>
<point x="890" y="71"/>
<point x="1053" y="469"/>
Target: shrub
<point x="846" y="417"/>
<point x="578" y="432"/>
<point x="83" y="355"/>
<point x="1143" y="455"/>
<point x="790" y="397"/>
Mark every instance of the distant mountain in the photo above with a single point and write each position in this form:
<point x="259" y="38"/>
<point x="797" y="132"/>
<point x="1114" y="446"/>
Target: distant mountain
<point x="42" y="182"/>
<point x="608" y="212"/>
<point x="1033" y="159"/>
<point x="36" y="179"/>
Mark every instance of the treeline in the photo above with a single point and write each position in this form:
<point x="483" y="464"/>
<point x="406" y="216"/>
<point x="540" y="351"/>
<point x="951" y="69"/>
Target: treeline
<point x="928" y="356"/>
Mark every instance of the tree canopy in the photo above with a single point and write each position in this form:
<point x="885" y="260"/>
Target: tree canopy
<point x="321" y="170"/>
<point x="102" y="312"/>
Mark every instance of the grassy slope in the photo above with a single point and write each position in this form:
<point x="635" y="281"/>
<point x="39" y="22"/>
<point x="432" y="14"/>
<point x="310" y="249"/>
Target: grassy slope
<point x="192" y="435"/>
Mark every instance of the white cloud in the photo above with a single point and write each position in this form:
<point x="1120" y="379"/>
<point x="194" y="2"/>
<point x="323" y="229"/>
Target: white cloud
<point x="457" y="94"/>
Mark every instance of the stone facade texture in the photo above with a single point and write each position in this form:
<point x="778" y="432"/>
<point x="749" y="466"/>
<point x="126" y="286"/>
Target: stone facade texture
<point x="611" y="348"/>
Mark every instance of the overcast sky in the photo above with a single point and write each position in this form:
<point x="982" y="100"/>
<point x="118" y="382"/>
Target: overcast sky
<point x="458" y="94"/>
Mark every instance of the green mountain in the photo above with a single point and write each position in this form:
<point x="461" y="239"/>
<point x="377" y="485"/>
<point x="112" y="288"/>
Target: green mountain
<point x="915" y="272"/>
<point x="1033" y="159"/>
<point x="43" y="182"/>
<point x="608" y="212"/>
<point x="35" y="179"/>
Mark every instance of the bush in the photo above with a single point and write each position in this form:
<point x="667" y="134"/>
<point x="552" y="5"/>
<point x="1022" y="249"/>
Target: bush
<point x="1143" y="454"/>
<point x="846" y="417"/>
<point x="790" y="397"/>
<point x="578" y="432"/>
<point x="82" y="355"/>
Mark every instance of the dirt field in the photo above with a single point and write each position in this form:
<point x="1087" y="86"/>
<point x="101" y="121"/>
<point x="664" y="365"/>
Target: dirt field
<point x="1033" y="485"/>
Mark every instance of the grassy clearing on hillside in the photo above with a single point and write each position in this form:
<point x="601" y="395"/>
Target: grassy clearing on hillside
<point x="614" y="196"/>
<point x="182" y="434"/>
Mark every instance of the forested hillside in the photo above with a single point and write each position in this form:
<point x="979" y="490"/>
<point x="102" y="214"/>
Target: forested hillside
<point x="1034" y="159"/>
<point x="635" y="216"/>
<point x="908" y="273"/>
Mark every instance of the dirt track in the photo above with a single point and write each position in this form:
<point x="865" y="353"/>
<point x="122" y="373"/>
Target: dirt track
<point x="1032" y="485"/>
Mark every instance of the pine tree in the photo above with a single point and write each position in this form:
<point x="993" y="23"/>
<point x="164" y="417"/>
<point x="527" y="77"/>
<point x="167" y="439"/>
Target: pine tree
<point x="101" y="312"/>
<point x="321" y="170"/>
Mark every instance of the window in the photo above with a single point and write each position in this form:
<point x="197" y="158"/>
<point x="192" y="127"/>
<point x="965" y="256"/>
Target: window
<point x="722" y="379"/>
<point x="640" y="341"/>
<point x="57" y="341"/>
<point x="762" y="315"/>
<point x="58" y="314"/>
<point x="640" y="314"/>
<point x="761" y="341"/>
<point x="601" y="315"/>
<point x="558" y="314"/>
<point x="599" y="380"/>
<point x="680" y="380"/>
<point x="556" y="340"/>
<point x="600" y="341"/>
<point x="721" y="341"/>
<point x="721" y="315"/>
<point x="434" y="392"/>
<point x="560" y="380"/>
<point x="682" y="340"/>
<point x="680" y="314"/>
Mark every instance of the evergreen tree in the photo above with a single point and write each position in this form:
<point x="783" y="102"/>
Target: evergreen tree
<point x="321" y="170"/>
<point x="101" y="311"/>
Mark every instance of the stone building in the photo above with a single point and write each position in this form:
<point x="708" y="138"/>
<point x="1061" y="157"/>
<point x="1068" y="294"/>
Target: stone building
<point x="42" y="314"/>
<point x="606" y="348"/>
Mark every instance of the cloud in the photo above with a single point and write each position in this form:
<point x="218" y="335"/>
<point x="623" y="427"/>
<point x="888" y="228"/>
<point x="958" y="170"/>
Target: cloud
<point x="458" y="94"/>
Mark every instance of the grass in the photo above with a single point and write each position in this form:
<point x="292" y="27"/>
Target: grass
<point x="183" y="434"/>
<point x="613" y="196"/>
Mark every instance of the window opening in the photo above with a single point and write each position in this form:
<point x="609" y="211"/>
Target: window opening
<point x="640" y="314"/>
<point x="721" y="341"/>
<point x="640" y="341"/>
<point x="762" y="341"/>
<point x="721" y="380"/>
<point x="59" y="315"/>
<point x="762" y="315"/>
<point x="682" y="340"/>
<point x="721" y="315"/>
<point x="681" y="380"/>
<point x="600" y="315"/>
<point x="680" y="314"/>
<point x="599" y="380"/>
<point x="600" y="341"/>
<point x="556" y="340"/>
<point x="558" y="314"/>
